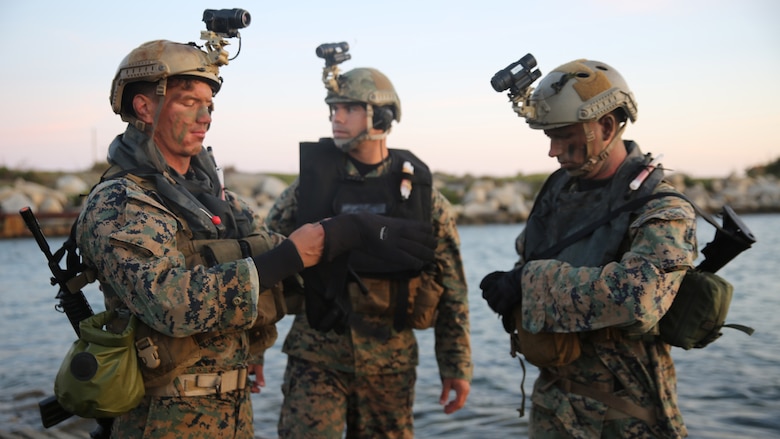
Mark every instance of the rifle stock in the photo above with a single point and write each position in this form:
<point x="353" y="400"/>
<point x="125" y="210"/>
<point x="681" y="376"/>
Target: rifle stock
<point x="75" y="306"/>
<point x="730" y="240"/>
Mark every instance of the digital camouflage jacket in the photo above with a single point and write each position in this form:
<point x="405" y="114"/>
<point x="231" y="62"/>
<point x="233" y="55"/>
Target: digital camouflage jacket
<point x="129" y="236"/>
<point x="623" y="276"/>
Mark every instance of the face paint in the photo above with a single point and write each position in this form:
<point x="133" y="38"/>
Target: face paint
<point x="575" y="153"/>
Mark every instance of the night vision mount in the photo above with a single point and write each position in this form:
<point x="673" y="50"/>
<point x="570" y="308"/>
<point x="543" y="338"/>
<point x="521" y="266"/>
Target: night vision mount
<point x="517" y="78"/>
<point x="221" y="24"/>
<point x="333" y="54"/>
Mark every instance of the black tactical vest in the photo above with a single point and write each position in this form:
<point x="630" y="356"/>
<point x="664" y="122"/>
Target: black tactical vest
<point x="325" y="190"/>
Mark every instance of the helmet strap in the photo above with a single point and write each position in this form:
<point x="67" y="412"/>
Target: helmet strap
<point x="595" y="159"/>
<point x="348" y="145"/>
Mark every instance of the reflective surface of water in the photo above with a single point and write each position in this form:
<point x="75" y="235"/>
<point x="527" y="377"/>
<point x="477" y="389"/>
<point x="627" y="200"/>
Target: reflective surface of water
<point x="730" y="389"/>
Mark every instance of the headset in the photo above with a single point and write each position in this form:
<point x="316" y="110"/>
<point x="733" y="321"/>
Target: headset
<point x="383" y="117"/>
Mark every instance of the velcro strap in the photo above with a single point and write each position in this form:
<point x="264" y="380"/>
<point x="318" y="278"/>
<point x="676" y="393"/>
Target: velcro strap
<point x="203" y="384"/>
<point x="598" y="393"/>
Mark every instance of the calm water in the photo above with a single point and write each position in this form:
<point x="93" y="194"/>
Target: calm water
<point x="730" y="389"/>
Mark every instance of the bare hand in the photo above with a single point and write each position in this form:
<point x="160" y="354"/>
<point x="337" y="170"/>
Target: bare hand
<point x="461" y="388"/>
<point x="259" y="381"/>
<point x="309" y="240"/>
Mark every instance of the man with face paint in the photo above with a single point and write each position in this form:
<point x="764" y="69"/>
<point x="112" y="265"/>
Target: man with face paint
<point x="352" y="351"/>
<point x="584" y="309"/>
<point x="187" y="260"/>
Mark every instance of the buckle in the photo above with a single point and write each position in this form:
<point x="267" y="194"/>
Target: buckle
<point x="147" y="352"/>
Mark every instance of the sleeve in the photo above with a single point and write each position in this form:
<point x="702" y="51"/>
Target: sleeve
<point x="633" y="292"/>
<point x="452" y="328"/>
<point x="131" y="239"/>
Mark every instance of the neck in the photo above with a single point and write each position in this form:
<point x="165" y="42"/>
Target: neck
<point x="178" y="164"/>
<point x="370" y="152"/>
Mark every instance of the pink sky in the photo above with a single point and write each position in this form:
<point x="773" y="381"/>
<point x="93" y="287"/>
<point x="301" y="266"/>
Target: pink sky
<point x="703" y="75"/>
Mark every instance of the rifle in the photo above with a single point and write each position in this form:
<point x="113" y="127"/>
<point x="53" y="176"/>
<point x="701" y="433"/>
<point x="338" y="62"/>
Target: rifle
<point x="730" y="240"/>
<point x="72" y="302"/>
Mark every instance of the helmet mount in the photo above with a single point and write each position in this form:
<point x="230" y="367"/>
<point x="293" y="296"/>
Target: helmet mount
<point x="156" y="61"/>
<point x="367" y="86"/>
<point x="579" y="91"/>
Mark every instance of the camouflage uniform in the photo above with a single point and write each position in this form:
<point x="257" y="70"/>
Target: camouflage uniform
<point x="577" y="292"/>
<point x="355" y="378"/>
<point x="130" y="237"/>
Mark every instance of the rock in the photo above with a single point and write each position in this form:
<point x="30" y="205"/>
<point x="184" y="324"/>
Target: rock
<point x="71" y="185"/>
<point x="272" y="186"/>
<point x="479" y="201"/>
<point x="15" y="201"/>
<point x="50" y="205"/>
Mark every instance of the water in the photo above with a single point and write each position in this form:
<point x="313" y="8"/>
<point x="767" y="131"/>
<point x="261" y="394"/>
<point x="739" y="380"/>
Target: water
<point x="730" y="389"/>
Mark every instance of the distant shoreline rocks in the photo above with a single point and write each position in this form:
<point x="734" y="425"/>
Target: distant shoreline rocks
<point x="476" y="200"/>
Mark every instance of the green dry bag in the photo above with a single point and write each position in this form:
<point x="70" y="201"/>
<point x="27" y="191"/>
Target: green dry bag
<point x="698" y="312"/>
<point x="100" y="376"/>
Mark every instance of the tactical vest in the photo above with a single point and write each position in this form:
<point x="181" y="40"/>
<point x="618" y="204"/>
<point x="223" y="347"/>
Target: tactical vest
<point x="164" y="357"/>
<point x="560" y="211"/>
<point x="326" y="190"/>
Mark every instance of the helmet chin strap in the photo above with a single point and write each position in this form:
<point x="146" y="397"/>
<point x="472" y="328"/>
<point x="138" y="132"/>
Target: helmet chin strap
<point x="594" y="160"/>
<point x="348" y="145"/>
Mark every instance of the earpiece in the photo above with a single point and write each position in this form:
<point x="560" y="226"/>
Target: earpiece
<point x="383" y="118"/>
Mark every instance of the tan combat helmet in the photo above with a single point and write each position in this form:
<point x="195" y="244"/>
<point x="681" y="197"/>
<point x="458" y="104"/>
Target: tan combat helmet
<point x="579" y="91"/>
<point x="155" y="61"/>
<point x="366" y="85"/>
<point x="371" y="87"/>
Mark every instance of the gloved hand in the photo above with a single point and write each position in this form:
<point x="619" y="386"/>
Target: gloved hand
<point x="393" y="239"/>
<point x="502" y="290"/>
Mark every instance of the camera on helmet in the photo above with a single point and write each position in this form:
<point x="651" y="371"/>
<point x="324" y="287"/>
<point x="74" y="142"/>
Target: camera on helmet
<point x="226" y="22"/>
<point x="333" y="53"/>
<point x="517" y="76"/>
<point x="221" y="24"/>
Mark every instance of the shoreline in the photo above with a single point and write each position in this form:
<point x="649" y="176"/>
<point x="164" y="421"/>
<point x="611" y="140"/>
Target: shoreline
<point x="475" y="200"/>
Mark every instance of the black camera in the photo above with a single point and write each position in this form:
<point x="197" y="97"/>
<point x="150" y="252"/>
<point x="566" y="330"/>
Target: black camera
<point x="516" y="77"/>
<point x="226" y="21"/>
<point x="333" y="53"/>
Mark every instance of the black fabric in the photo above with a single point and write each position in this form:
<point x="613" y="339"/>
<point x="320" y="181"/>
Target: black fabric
<point x="403" y="243"/>
<point x="327" y="308"/>
<point x="325" y="189"/>
<point x="195" y="197"/>
<point x="278" y="263"/>
<point x="502" y="290"/>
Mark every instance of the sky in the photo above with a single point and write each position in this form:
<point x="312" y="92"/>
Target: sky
<point x="704" y="74"/>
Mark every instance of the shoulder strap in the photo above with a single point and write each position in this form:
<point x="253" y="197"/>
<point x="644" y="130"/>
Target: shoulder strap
<point x="628" y="207"/>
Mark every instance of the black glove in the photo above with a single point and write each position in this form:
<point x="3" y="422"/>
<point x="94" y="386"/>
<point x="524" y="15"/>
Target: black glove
<point x="407" y="242"/>
<point x="502" y="290"/>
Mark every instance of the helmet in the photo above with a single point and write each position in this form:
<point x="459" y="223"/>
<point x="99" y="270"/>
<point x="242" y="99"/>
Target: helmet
<point x="579" y="91"/>
<point x="158" y="60"/>
<point x="369" y="86"/>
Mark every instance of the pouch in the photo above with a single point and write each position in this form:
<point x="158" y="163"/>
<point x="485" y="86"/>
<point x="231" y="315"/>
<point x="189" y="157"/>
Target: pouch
<point x="544" y="349"/>
<point x="698" y="312"/>
<point x="100" y="376"/>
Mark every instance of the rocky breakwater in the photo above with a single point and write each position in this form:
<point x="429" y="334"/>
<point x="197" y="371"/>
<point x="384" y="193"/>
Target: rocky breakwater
<point x="488" y="200"/>
<point x="55" y="205"/>
<point x="477" y="200"/>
